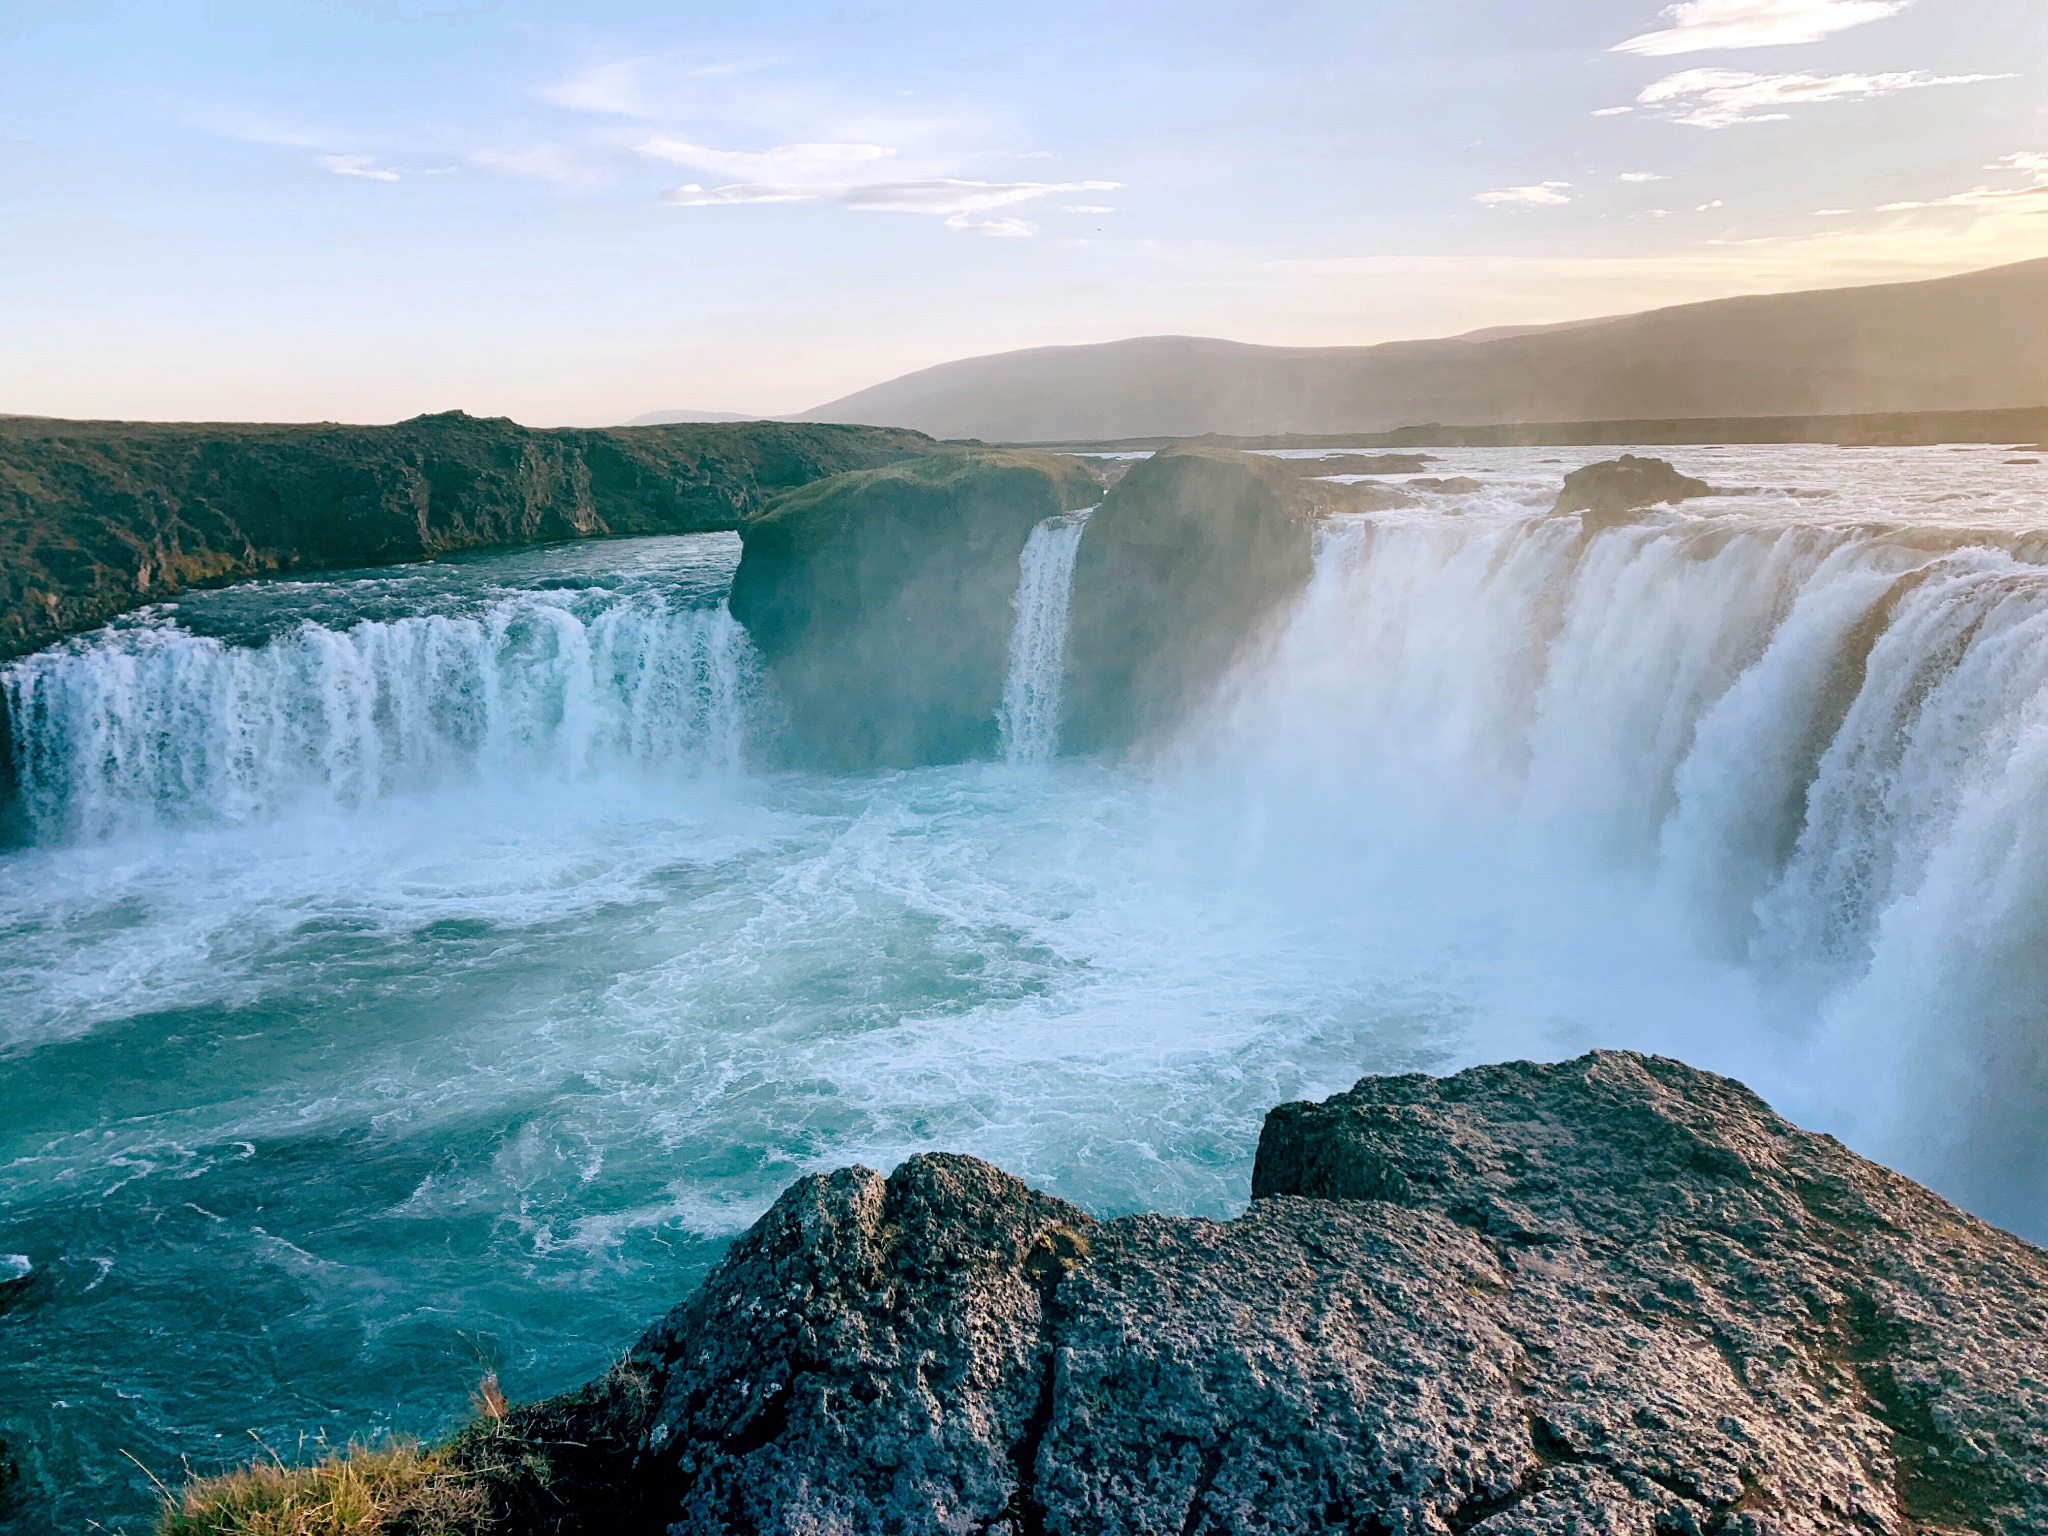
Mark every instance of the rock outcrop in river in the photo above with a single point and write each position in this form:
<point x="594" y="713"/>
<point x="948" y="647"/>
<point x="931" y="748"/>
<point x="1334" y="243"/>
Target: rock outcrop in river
<point x="1188" y="557"/>
<point x="1612" y="1295"/>
<point x="882" y="600"/>
<point x="1614" y="489"/>
<point x="100" y="517"/>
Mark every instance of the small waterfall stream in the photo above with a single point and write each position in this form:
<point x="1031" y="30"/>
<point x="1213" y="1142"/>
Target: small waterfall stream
<point x="1030" y="713"/>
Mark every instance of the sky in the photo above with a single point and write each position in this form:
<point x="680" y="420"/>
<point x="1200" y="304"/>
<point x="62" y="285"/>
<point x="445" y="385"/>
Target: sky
<point x="572" y="214"/>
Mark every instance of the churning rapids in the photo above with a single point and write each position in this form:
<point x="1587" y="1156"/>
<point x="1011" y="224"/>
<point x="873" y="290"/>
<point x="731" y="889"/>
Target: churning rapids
<point x="404" y="971"/>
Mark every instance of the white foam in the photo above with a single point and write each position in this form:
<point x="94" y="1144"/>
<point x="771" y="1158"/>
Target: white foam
<point x="1032" y="688"/>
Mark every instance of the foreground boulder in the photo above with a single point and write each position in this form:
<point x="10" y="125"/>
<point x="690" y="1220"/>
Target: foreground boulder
<point x="1612" y="1295"/>
<point x="1609" y="492"/>
<point x="1188" y="559"/>
<point x="882" y="601"/>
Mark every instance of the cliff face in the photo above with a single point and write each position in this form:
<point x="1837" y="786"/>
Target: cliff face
<point x="1187" y="557"/>
<point x="100" y="517"/>
<point x="882" y="600"/>
<point x="1613" y="1295"/>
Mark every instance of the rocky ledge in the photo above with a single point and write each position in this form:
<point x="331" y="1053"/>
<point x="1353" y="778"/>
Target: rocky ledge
<point x="1612" y="1295"/>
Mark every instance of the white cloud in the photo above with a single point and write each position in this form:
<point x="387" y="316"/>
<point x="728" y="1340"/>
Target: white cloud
<point x="1087" y="208"/>
<point x="1641" y="176"/>
<point x="1721" y="98"/>
<point x="944" y="197"/>
<point x="782" y="162"/>
<point x="1543" y="194"/>
<point x="636" y="87"/>
<point x="1611" y="111"/>
<point x="2030" y="164"/>
<point x="1001" y="229"/>
<point x="357" y="165"/>
<point x="1708" y="207"/>
<point x="1701" y="24"/>
<point x="612" y="89"/>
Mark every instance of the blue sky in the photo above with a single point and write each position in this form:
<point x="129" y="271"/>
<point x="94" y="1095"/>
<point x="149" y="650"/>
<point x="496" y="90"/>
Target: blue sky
<point x="362" y="209"/>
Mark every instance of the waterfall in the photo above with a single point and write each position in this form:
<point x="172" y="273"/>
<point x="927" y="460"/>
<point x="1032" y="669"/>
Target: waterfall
<point x="1816" y="753"/>
<point x="154" y="726"/>
<point x="1030" y="712"/>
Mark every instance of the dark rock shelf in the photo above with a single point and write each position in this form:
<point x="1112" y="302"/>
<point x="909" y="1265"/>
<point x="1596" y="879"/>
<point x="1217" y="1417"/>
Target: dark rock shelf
<point x="1613" y="1295"/>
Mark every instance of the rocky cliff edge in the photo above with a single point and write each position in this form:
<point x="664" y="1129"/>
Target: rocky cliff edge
<point x="1611" y="1295"/>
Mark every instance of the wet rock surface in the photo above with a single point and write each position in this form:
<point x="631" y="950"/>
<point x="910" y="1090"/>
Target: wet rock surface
<point x="882" y="600"/>
<point x="1187" y="560"/>
<point x="1612" y="1295"/>
<point x="1611" y="491"/>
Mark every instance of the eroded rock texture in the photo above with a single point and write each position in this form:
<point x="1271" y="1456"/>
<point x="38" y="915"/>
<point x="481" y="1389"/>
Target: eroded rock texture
<point x="1613" y="1295"/>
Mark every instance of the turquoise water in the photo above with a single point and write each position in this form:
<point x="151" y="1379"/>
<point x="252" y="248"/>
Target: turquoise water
<point x="428" y="970"/>
<point x="315" y="1111"/>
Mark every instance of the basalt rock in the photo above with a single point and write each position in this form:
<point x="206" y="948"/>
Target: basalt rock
<point x="882" y="600"/>
<point x="100" y="517"/>
<point x="1612" y="1295"/>
<point x="1184" y="564"/>
<point x="1611" y="491"/>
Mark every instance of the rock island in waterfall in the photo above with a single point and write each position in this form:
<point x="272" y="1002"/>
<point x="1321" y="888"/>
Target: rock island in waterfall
<point x="1121" y="932"/>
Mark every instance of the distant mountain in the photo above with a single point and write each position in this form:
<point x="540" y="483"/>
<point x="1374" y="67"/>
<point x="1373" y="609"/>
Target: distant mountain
<point x="1974" y="342"/>
<point x="670" y="418"/>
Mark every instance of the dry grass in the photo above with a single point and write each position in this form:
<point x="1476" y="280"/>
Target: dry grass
<point x="536" y="1468"/>
<point x="362" y="1491"/>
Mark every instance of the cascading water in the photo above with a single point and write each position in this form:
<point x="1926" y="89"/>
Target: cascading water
<point x="376" y="993"/>
<point x="1030" y="713"/>
<point x="153" y="725"/>
<point x="1811" y="750"/>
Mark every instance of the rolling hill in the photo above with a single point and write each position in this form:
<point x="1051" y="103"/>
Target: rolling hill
<point x="1978" y="341"/>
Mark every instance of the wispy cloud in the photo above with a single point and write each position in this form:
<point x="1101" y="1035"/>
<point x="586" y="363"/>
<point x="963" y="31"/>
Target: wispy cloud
<point x="1721" y="98"/>
<point x="1001" y="229"/>
<point x="559" y="163"/>
<point x="948" y="198"/>
<point x="636" y="87"/>
<point x="797" y="162"/>
<point x="1697" y="25"/>
<point x="364" y="166"/>
<point x="1640" y="176"/>
<point x="1542" y="194"/>
<point x="2030" y="165"/>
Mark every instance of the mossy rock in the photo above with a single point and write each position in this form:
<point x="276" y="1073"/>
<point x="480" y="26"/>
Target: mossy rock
<point x="881" y="600"/>
<point x="1187" y="562"/>
<point x="100" y="517"/>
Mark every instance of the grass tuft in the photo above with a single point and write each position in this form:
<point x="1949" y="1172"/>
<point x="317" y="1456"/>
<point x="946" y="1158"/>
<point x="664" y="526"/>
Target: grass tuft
<point x="539" y="1469"/>
<point x="364" y="1490"/>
